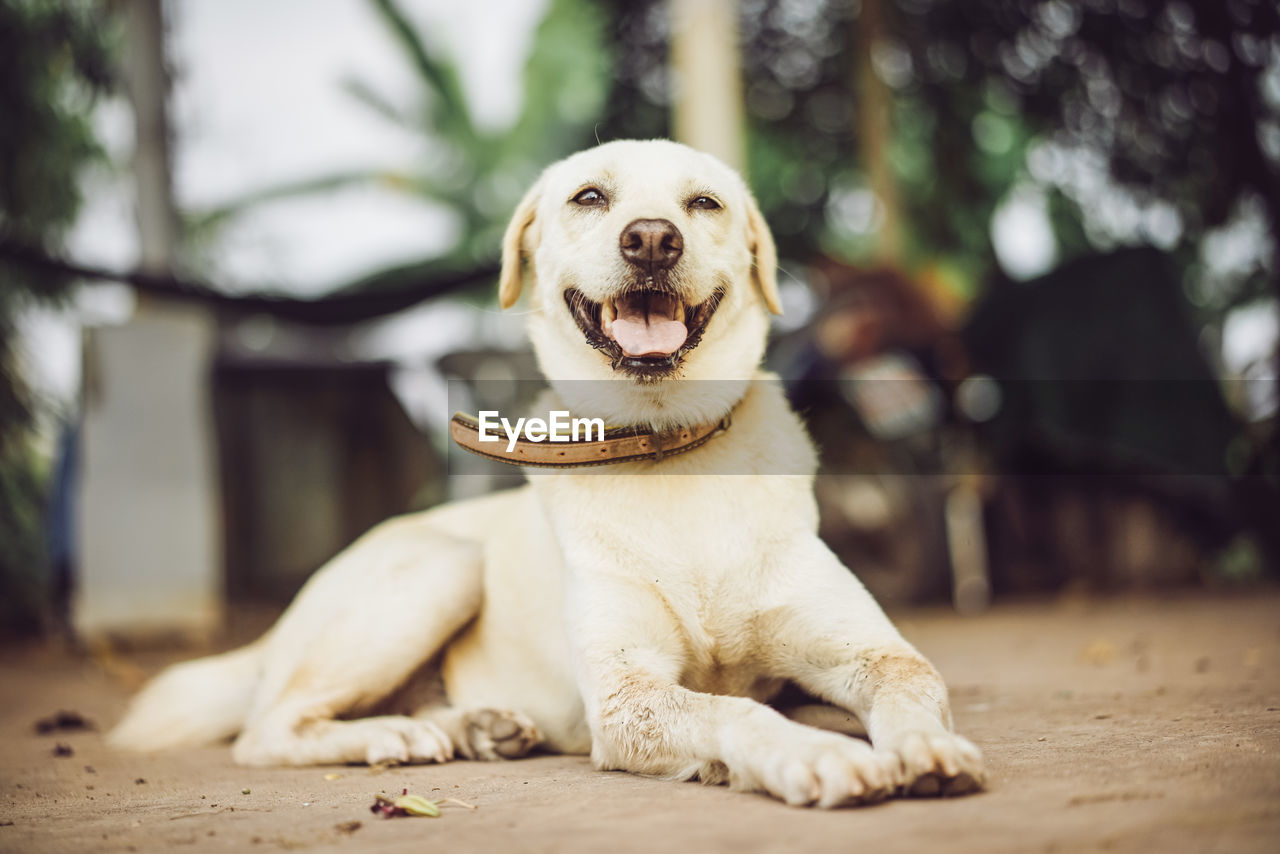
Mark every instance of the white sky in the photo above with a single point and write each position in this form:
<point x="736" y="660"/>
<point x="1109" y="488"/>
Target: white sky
<point x="260" y="101"/>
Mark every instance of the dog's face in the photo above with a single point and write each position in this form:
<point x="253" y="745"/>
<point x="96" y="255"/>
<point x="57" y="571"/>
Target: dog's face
<point x="648" y="262"/>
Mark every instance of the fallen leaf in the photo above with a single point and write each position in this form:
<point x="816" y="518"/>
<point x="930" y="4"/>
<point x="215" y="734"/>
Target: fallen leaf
<point x="405" y="805"/>
<point x="418" y="805"/>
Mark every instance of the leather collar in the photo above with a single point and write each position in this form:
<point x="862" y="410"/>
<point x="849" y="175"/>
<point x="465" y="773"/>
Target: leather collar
<point x="619" y="445"/>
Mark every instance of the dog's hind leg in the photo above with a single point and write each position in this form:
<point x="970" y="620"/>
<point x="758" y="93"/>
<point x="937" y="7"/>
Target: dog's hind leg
<point x="357" y="631"/>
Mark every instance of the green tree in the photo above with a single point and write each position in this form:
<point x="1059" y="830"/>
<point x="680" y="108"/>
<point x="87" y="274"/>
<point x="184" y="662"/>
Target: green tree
<point x="54" y="63"/>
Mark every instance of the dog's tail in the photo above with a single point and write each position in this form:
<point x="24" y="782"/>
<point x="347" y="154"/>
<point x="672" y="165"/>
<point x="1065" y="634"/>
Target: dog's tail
<point x="193" y="703"/>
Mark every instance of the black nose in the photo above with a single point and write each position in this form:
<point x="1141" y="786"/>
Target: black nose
<point x="652" y="244"/>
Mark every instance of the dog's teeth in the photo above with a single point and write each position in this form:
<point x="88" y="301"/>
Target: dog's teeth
<point x="608" y="313"/>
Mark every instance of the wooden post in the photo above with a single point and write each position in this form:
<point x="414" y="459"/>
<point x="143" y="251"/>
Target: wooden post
<point x="707" y="78"/>
<point x="875" y="131"/>
<point x="147" y="76"/>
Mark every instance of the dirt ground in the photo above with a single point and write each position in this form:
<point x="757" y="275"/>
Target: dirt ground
<point x="1123" y="725"/>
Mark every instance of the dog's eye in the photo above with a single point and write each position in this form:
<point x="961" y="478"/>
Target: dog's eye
<point x="590" y="198"/>
<point x="704" y="203"/>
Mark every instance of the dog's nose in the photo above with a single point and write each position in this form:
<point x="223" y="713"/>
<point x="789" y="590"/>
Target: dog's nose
<point x="652" y="244"/>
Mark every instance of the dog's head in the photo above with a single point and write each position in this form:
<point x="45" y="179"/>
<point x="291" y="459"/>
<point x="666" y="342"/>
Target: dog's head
<point x="648" y="262"/>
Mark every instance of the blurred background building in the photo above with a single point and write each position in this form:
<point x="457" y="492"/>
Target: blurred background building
<point x="1029" y="263"/>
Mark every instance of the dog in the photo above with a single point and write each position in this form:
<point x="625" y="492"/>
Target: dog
<point x="644" y="612"/>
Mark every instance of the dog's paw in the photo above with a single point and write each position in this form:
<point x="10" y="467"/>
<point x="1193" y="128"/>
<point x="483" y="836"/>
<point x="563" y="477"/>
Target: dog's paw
<point x="400" y="741"/>
<point x="937" y="764"/>
<point x="498" y="734"/>
<point x="824" y="770"/>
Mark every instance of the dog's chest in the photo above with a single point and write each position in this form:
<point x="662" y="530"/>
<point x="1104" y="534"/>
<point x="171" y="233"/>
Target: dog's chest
<point x="694" y="559"/>
<point x="724" y="655"/>
<point x="732" y="680"/>
<point x="697" y="526"/>
<point x="706" y="614"/>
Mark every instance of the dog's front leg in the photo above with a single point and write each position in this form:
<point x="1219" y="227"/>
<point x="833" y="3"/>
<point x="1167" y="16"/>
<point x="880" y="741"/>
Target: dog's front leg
<point x="837" y="644"/>
<point x="902" y="700"/>
<point x="642" y="720"/>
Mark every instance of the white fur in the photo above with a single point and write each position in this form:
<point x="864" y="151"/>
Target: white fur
<point x="641" y="612"/>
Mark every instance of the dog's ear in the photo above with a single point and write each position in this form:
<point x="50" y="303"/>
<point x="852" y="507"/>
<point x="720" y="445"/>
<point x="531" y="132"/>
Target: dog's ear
<point x="518" y="241"/>
<point x="765" y="255"/>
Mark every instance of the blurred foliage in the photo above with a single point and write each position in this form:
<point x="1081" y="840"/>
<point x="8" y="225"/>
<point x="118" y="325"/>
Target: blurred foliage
<point x="475" y="173"/>
<point x="54" y="61"/>
<point x="1136" y="121"/>
<point x="1176" y="103"/>
<point x="1241" y="562"/>
<point x="24" y="587"/>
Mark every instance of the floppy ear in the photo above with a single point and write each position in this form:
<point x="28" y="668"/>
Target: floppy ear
<point x="765" y="255"/>
<point x="511" y="279"/>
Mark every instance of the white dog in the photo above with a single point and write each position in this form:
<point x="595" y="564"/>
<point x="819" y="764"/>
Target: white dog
<point x="644" y="611"/>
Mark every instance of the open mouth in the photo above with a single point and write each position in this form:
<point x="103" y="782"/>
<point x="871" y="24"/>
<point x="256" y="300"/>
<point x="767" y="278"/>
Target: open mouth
<point x="645" y="331"/>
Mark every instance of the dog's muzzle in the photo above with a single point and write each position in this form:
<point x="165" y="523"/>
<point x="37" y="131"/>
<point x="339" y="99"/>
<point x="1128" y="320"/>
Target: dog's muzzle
<point x="647" y="329"/>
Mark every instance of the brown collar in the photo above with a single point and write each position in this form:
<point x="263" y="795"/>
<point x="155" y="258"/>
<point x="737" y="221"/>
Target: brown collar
<point x="619" y="445"/>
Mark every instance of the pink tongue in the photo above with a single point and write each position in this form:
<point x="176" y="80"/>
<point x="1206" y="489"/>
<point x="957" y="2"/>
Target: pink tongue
<point x="640" y="334"/>
<point x="644" y="325"/>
